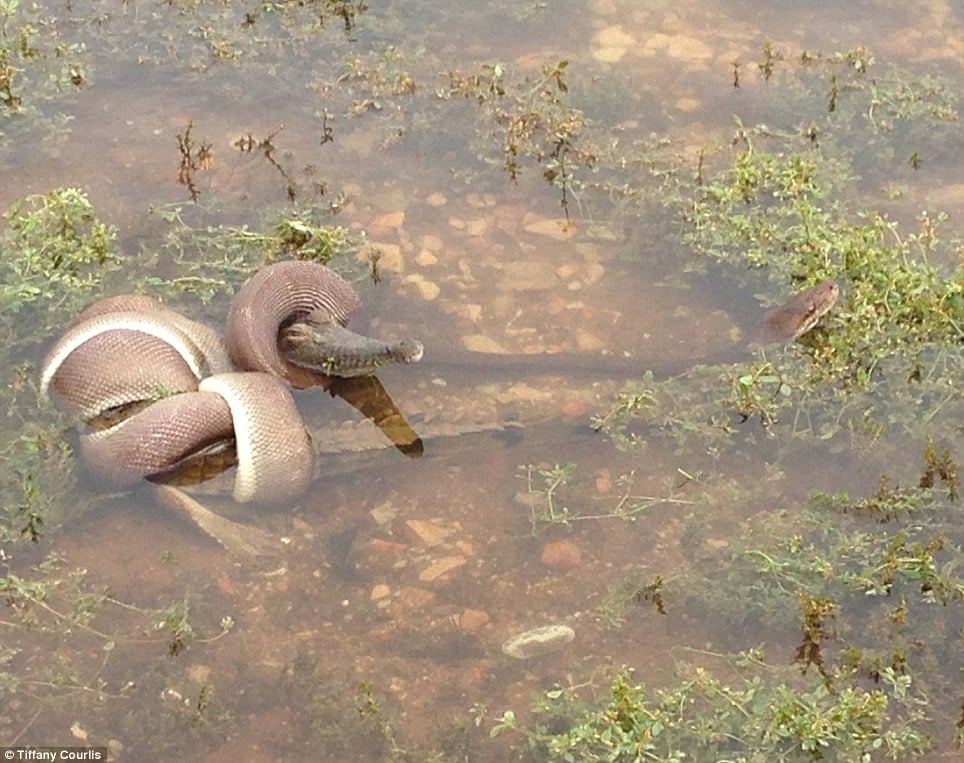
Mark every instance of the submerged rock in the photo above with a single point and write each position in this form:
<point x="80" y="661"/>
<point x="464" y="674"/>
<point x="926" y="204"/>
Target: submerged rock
<point x="538" y="641"/>
<point x="561" y="554"/>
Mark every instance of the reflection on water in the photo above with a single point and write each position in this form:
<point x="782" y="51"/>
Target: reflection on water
<point x="443" y="521"/>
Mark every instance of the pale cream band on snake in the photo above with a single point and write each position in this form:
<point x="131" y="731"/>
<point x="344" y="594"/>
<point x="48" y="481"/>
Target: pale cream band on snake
<point x="202" y="391"/>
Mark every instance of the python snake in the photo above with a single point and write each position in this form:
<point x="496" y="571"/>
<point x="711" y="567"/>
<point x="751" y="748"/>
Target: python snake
<point x="183" y="391"/>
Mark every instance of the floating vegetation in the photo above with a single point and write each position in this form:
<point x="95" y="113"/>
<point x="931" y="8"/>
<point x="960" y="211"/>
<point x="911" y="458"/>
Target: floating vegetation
<point x="549" y="492"/>
<point x="55" y="256"/>
<point x="193" y="159"/>
<point x="899" y="297"/>
<point x="884" y="96"/>
<point x="896" y="328"/>
<point x="51" y="609"/>
<point x="54" y="251"/>
<point x="747" y="709"/>
<point x="35" y="64"/>
<point x="868" y="603"/>
<point x="534" y="120"/>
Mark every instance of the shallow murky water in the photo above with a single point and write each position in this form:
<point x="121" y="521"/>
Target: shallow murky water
<point x="406" y="575"/>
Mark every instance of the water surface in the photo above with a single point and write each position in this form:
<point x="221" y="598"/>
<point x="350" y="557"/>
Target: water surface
<point x="406" y="575"/>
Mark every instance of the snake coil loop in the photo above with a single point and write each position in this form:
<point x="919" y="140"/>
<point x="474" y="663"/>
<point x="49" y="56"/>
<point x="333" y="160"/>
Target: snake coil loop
<point x="191" y="391"/>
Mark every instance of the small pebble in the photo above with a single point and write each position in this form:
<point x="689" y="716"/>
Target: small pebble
<point x="476" y="227"/>
<point x="441" y="567"/>
<point x="613" y="37"/>
<point x="558" y="229"/>
<point x="472" y="620"/>
<point x="609" y="45"/>
<point x="200" y="674"/>
<point x="389" y="221"/>
<point x="593" y="272"/>
<point x="538" y="641"/>
<point x="480" y="343"/>
<point x="587" y="340"/>
<point x="431" y="242"/>
<point x="380" y="591"/>
<point x="561" y="554"/>
<point x="428" y="290"/>
<point x="610" y="55"/>
<point x="78" y="732"/>
<point x="566" y="270"/>
<point x="414" y="598"/>
<point x="425" y="257"/>
<point x="573" y="409"/>
<point x="423" y="533"/>
<point x="483" y="200"/>
<point x="679" y="46"/>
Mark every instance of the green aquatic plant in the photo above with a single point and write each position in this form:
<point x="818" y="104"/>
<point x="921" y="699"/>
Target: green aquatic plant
<point x="865" y="578"/>
<point x="553" y="498"/>
<point x="890" y="542"/>
<point x="41" y="68"/>
<point x="708" y="405"/>
<point x="55" y="258"/>
<point x="534" y="121"/>
<point x="345" y="11"/>
<point x="377" y="81"/>
<point x="34" y="61"/>
<point x="55" y="253"/>
<point x="614" y="608"/>
<point x="750" y="711"/>
<point x="876" y="666"/>
<point x="214" y="260"/>
<point x="868" y="584"/>
<point x="883" y="94"/>
<point x="67" y="639"/>
<point x="887" y="355"/>
<point x="756" y="391"/>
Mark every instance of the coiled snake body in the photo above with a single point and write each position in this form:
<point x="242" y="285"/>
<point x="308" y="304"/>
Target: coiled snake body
<point x="184" y="392"/>
<point x="192" y="391"/>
